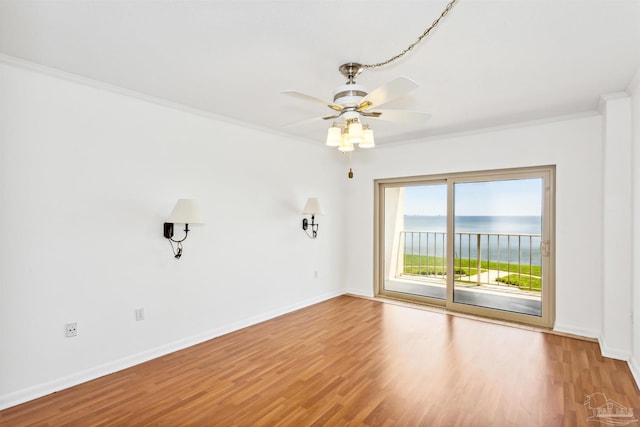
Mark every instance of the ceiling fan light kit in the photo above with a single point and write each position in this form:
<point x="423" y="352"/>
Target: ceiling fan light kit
<point x="352" y="101"/>
<point x="346" y="135"/>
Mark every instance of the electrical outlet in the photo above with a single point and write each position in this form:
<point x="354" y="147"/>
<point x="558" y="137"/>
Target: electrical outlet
<point x="139" y="314"/>
<point x="71" y="330"/>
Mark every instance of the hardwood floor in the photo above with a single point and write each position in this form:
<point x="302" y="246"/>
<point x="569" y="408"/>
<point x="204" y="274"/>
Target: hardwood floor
<point x="358" y="362"/>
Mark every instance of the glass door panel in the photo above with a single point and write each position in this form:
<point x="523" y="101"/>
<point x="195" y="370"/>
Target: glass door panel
<point x="497" y="240"/>
<point x="415" y="248"/>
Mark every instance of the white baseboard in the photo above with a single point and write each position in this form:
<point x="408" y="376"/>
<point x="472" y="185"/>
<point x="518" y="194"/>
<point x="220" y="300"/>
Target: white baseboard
<point x="614" y="353"/>
<point x="605" y="349"/>
<point x="27" y="394"/>
<point x="572" y="330"/>
<point x="359" y="292"/>
<point x="30" y="393"/>
<point x="634" y="366"/>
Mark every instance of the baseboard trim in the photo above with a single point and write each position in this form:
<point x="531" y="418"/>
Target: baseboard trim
<point x="31" y="393"/>
<point x="634" y="367"/>
<point x="40" y="390"/>
<point x="614" y="353"/>
<point x="358" y="293"/>
<point x="578" y="332"/>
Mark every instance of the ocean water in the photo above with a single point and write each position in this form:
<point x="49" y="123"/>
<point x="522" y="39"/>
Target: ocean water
<point x="504" y="248"/>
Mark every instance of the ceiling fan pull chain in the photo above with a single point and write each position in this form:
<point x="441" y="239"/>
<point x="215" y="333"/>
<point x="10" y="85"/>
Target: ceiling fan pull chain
<point x="412" y="45"/>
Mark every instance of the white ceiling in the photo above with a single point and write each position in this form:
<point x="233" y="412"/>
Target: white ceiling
<point x="488" y="63"/>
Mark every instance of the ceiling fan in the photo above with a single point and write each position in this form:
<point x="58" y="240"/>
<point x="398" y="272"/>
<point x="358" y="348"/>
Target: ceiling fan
<point x="352" y="101"/>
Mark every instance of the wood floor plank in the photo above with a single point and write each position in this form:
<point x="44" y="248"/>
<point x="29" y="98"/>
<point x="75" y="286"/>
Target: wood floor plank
<point x="352" y="361"/>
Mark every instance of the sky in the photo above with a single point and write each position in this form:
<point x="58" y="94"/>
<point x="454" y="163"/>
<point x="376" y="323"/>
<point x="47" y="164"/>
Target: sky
<point x="512" y="197"/>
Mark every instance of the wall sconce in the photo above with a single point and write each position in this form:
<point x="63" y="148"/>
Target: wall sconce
<point x="184" y="212"/>
<point x="312" y="207"/>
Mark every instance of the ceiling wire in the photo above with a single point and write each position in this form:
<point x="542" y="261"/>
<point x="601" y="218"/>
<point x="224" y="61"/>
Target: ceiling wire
<point x="414" y="44"/>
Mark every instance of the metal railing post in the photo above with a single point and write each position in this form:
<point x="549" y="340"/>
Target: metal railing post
<point x="479" y="257"/>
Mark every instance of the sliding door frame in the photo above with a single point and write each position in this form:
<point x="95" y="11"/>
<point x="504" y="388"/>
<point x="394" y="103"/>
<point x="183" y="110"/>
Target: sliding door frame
<point x="547" y="173"/>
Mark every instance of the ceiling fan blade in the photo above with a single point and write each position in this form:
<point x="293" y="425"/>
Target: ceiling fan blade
<point x="334" y="116"/>
<point x="402" y="116"/>
<point x="375" y="114"/>
<point x="313" y="99"/>
<point x="396" y="88"/>
<point x="363" y="106"/>
<point x="302" y="122"/>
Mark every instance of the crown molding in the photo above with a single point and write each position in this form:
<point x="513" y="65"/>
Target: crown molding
<point x="100" y="85"/>
<point x="602" y="102"/>
<point x="634" y="84"/>
<point x="496" y="128"/>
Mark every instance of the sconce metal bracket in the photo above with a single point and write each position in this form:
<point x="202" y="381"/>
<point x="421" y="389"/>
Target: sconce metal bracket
<point x="314" y="227"/>
<point x="168" y="230"/>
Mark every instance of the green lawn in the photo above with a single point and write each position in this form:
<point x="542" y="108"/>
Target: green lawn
<point x="430" y="266"/>
<point x="523" y="282"/>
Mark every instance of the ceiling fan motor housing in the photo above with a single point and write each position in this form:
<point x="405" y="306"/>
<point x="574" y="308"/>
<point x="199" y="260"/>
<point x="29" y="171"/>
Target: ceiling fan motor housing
<point x="349" y="95"/>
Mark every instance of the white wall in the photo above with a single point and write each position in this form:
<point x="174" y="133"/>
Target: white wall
<point x="634" y="89"/>
<point x="615" y="339"/>
<point x="88" y="176"/>
<point x="574" y="145"/>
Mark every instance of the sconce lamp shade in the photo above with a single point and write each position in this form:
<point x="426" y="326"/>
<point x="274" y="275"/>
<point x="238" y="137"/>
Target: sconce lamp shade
<point x="185" y="212"/>
<point x="312" y="207"/>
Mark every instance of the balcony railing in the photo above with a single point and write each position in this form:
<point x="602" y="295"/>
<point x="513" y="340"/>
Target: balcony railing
<point x="506" y="259"/>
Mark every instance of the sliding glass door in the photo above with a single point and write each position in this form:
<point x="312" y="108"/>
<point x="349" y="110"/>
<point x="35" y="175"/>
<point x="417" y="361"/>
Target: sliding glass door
<point x="479" y="242"/>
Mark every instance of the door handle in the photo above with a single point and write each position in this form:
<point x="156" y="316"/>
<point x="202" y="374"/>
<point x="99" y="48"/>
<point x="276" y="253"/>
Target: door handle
<point x="544" y="248"/>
